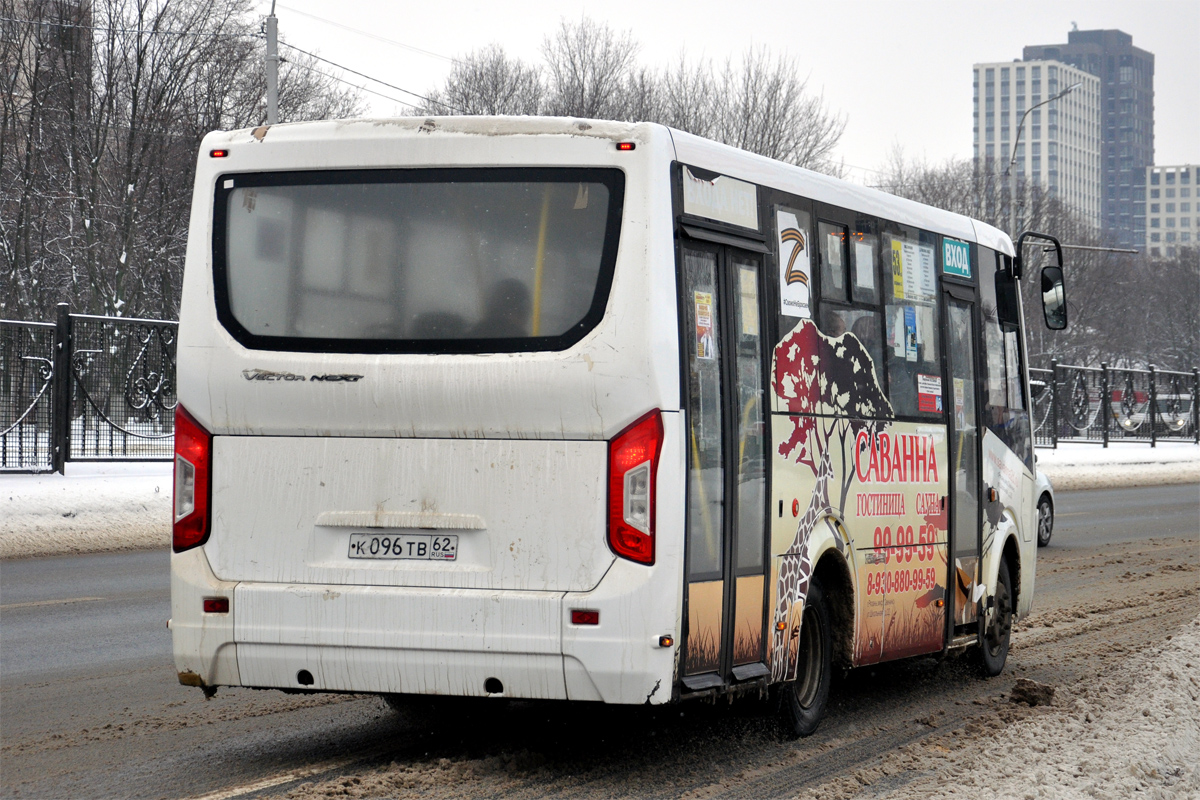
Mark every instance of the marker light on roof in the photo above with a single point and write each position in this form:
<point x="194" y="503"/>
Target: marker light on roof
<point x="626" y="145"/>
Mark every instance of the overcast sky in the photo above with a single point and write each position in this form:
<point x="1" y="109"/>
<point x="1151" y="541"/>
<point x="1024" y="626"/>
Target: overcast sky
<point x="900" y="72"/>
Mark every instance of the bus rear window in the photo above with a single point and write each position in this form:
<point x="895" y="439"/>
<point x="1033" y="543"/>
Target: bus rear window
<point x="467" y="260"/>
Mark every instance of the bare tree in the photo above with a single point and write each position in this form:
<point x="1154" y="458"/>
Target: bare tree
<point x="642" y="95"/>
<point x="588" y="66"/>
<point x="489" y="81"/>
<point x="758" y="103"/>
<point x="1166" y="322"/>
<point x="39" y="45"/>
<point x="952" y="185"/>
<point x="689" y="98"/>
<point x="766" y="108"/>
<point x="107" y="103"/>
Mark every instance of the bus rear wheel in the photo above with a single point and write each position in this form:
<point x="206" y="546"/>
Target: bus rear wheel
<point x="995" y="631"/>
<point x="802" y="701"/>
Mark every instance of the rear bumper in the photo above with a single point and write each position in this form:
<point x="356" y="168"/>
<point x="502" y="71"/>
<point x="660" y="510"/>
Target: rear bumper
<point x="428" y="641"/>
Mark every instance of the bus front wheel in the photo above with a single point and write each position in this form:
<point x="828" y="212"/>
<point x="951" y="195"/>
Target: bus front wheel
<point x="996" y="629"/>
<point x="802" y="701"/>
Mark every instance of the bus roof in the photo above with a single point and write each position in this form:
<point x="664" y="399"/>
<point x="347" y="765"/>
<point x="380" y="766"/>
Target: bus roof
<point x="689" y="149"/>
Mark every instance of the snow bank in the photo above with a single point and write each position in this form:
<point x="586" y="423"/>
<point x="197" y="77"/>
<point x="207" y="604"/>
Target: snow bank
<point x="1132" y="734"/>
<point x="1121" y="464"/>
<point x="93" y="508"/>
<point x="1137" y="734"/>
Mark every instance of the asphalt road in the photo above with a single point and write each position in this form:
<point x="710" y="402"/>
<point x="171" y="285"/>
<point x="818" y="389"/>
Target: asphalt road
<point x="91" y="707"/>
<point x="1109" y="516"/>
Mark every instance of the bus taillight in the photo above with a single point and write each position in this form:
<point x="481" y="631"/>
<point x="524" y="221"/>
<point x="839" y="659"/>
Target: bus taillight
<point x="632" y="470"/>
<point x="193" y="467"/>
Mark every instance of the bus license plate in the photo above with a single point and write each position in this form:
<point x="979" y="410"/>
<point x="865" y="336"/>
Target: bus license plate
<point x="418" y="546"/>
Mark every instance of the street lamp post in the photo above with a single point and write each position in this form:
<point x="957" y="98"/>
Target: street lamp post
<point x="1008" y="172"/>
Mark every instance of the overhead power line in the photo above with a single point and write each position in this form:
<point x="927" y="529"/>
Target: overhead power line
<point x="370" y="78"/>
<point x="370" y="35"/>
<point x="333" y="77"/>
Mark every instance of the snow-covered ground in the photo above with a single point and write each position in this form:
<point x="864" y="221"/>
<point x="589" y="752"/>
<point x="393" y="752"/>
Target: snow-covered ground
<point x="127" y="506"/>
<point x="1077" y="465"/>
<point x="1131" y="733"/>
<point x="93" y="508"/>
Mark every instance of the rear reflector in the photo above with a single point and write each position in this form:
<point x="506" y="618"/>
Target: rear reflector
<point x="580" y="617"/>
<point x="193" y="466"/>
<point x="632" y="470"/>
<point x="216" y="605"/>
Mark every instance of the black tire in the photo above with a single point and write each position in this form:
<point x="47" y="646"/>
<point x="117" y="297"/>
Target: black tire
<point x="1045" y="520"/>
<point x="994" y="634"/>
<point x="802" y="701"/>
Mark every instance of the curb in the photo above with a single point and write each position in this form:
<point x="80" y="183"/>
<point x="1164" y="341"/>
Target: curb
<point x="1068" y="478"/>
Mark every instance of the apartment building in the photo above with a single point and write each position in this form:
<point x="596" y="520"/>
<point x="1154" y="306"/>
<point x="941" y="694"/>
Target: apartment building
<point x="1057" y="146"/>
<point x="1172" y="209"/>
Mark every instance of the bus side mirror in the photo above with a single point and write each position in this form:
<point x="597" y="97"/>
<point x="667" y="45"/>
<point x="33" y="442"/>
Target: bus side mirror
<point x="1047" y="253"/>
<point x="1054" y="298"/>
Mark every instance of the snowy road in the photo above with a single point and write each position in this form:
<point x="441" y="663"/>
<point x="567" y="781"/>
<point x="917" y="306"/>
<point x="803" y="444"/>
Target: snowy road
<point x="91" y="707"/>
<point x="83" y="613"/>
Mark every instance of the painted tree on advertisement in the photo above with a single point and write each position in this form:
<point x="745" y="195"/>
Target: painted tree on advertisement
<point x="832" y="394"/>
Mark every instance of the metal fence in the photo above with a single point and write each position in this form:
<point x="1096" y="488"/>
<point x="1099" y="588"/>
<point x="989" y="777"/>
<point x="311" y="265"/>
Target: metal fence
<point x="1106" y="404"/>
<point x="86" y="388"/>
<point x="26" y="396"/>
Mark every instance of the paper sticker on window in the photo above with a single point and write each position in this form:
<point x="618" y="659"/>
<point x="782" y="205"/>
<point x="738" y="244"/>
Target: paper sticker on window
<point x="919" y="278"/>
<point x="925" y="334"/>
<point x="913" y="271"/>
<point x="929" y="393"/>
<point x="898" y="269"/>
<point x="926" y="273"/>
<point x="706" y="345"/>
<point x="960" y="404"/>
<point x="895" y="331"/>
<point x="910" y="333"/>
<point x="833" y="246"/>
<point x="795" y="265"/>
<point x="864" y="259"/>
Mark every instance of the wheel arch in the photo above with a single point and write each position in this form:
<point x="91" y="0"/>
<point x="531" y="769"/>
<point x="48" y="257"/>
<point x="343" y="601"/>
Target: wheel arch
<point x="1011" y="555"/>
<point x="834" y="574"/>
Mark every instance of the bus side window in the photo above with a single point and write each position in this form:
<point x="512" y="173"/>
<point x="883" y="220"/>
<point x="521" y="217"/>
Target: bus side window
<point x="912" y="323"/>
<point x="1004" y="410"/>
<point x="852" y="307"/>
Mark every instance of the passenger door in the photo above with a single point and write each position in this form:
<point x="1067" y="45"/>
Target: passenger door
<point x="965" y="529"/>
<point x="727" y="467"/>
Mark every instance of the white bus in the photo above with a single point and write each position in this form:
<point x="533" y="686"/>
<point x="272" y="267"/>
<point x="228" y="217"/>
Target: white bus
<point x="591" y="411"/>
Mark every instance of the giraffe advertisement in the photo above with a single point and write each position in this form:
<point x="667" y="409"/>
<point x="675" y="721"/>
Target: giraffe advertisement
<point x="849" y="476"/>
